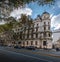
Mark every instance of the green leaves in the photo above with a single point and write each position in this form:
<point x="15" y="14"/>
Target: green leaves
<point x="5" y="27"/>
<point x="6" y="8"/>
<point x="12" y="23"/>
<point x="26" y="20"/>
<point x="45" y="2"/>
<point x="18" y="3"/>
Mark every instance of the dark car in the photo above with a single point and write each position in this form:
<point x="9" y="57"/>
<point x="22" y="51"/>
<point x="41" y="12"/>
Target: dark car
<point x="30" y="47"/>
<point x="17" y="47"/>
<point x="22" y="47"/>
<point x="57" y="49"/>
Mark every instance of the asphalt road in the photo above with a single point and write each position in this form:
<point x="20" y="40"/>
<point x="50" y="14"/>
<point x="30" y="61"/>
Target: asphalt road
<point x="21" y="55"/>
<point x="8" y="56"/>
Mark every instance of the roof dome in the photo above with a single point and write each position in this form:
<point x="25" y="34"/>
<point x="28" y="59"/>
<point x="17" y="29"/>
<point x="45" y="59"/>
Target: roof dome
<point x="45" y="13"/>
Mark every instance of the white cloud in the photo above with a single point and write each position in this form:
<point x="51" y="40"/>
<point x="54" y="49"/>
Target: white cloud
<point x="56" y="35"/>
<point x="17" y="12"/>
<point x="55" y="21"/>
<point x="51" y="15"/>
<point x="58" y="26"/>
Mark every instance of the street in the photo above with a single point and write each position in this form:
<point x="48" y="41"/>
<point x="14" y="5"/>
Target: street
<point x="23" y="55"/>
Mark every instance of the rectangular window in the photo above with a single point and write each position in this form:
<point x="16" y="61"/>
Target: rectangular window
<point x="31" y="35"/>
<point x="21" y="35"/>
<point x="31" y="42"/>
<point x="23" y="43"/>
<point x="48" y="27"/>
<point x="49" y="35"/>
<point x="44" y="23"/>
<point x="36" y="35"/>
<point x="44" y="34"/>
<point x="36" y="29"/>
<point x="19" y="42"/>
<point x="35" y="42"/>
<point x="28" y="35"/>
<point x="44" y="27"/>
<point x="27" y="42"/>
<point x="48" y="23"/>
<point x="44" y="43"/>
<point x="37" y="25"/>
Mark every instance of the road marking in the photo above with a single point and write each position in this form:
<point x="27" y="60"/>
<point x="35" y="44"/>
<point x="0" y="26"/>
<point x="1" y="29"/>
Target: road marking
<point x="51" y="55"/>
<point x="26" y="55"/>
<point x="35" y="57"/>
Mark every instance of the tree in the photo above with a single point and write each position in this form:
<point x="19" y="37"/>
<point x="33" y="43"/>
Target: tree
<point x="6" y="6"/>
<point x="26" y="20"/>
<point x="23" y="18"/>
<point x="9" y="25"/>
<point x="17" y="3"/>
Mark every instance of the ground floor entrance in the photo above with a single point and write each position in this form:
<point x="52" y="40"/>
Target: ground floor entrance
<point x="37" y="43"/>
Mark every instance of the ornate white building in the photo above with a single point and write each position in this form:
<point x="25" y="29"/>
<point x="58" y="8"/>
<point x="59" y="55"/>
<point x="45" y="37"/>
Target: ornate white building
<point x="38" y="34"/>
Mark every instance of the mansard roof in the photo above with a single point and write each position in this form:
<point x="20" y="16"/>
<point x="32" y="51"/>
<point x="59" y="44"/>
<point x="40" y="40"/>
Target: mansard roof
<point x="38" y="17"/>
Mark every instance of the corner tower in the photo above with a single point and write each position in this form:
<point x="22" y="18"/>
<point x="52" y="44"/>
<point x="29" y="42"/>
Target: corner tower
<point x="47" y="33"/>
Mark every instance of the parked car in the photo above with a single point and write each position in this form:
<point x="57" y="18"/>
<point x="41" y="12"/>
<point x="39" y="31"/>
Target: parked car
<point x="17" y="47"/>
<point x="57" y="49"/>
<point x="30" y="47"/>
<point x="22" y="47"/>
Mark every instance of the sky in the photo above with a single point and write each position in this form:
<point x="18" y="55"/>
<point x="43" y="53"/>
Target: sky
<point x="56" y="36"/>
<point x="33" y="9"/>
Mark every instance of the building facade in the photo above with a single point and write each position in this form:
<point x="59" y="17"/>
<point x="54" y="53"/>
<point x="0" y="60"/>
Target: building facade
<point x="38" y="34"/>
